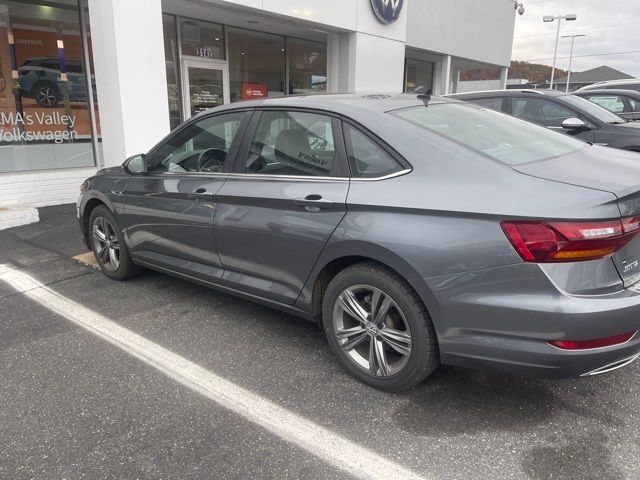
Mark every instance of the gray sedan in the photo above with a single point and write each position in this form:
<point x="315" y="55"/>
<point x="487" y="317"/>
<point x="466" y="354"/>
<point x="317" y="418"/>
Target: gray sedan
<point x="414" y="231"/>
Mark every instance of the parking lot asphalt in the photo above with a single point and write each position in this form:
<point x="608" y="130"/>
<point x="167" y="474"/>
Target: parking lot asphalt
<point x="76" y="405"/>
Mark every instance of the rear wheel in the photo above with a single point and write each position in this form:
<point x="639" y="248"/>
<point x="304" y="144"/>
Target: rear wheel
<point x="108" y="245"/>
<point x="379" y="328"/>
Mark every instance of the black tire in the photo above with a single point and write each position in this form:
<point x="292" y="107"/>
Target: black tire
<point x="423" y="357"/>
<point x="125" y="267"/>
<point x="46" y="94"/>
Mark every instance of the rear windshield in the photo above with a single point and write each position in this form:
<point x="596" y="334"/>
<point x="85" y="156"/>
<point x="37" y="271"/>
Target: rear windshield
<point x="496" y="135"/>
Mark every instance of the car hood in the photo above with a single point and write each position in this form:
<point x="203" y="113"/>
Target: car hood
<point x="601" y="168"/>
<point x="631" y="127"/>
<point x="110" y="170"/>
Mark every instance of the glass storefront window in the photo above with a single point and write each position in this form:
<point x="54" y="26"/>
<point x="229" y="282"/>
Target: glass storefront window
<point x="45" y="121"/>
<point x="418" y="73"/>
<point x="307" y="66"/>
<point x="256" y="64"/>
<point x="171" y="62"/>
<point x="202" y="39"/>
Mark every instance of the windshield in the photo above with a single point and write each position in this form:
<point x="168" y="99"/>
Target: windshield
<point x="499" y="136"/>
<point x="592" y="109"/>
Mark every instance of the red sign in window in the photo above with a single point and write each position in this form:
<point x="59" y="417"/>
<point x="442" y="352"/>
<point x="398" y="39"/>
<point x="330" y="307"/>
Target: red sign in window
<point x="253" y="90"/>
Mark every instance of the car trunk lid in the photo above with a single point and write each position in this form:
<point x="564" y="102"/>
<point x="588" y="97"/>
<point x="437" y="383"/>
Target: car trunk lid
<point x="606" y="169"/>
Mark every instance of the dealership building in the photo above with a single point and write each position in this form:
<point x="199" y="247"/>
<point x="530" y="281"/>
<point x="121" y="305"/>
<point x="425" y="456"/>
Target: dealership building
<point x="87" y="83"/>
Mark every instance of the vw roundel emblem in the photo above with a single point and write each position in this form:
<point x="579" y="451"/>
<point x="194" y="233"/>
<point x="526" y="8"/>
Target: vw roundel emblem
<point x="387" y="11"/>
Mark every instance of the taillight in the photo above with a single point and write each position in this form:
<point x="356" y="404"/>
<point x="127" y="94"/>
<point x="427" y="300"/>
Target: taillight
<point x="596" y="343"/>
<point x="544" y="242"/>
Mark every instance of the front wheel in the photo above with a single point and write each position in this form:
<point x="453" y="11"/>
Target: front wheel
<point x="108" y="245"/>
<point x="379" y="328"/>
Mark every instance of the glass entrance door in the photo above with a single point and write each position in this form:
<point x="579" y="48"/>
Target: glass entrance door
<point x="204" y="85"/>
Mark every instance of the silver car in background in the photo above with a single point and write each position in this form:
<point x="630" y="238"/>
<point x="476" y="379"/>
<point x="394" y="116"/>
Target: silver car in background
<point x="415" y="231"/>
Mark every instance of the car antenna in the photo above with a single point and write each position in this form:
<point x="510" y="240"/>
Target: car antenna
<point x="423" y="95"/>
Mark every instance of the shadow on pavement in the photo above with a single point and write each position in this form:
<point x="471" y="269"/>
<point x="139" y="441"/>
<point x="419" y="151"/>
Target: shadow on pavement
<point x="460" y="401"/>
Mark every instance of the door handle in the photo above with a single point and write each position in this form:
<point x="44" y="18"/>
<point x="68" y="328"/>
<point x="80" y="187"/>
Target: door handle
<point x="200" y="193"/>
<point x="313" y="202"/>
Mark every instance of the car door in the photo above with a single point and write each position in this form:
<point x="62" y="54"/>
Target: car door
<point x="285" y="197"/>
<point x="169" y="218"/>
<point x="550" y="114"/>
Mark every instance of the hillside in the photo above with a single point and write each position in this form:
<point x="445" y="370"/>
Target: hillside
<point x="534" y="72"/>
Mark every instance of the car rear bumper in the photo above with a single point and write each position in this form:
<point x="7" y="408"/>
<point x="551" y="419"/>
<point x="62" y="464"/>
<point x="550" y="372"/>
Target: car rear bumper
<point x="503" y="318"/>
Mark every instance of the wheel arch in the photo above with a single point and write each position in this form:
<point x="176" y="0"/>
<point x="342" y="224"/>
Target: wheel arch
<point x="344" y="254"/>
<point x="88" y="206"/>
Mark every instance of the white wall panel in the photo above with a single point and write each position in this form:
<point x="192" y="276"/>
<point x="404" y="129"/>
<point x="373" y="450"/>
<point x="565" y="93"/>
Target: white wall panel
<point x="334" y="13"/>
<point x="367" y="22"/>
<point x="379" y="64"/>
<point x="477" y="30"/>
<point x="128" y="51"/>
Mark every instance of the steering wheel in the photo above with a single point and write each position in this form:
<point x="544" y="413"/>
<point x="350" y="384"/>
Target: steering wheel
<point x="211" y="157"/>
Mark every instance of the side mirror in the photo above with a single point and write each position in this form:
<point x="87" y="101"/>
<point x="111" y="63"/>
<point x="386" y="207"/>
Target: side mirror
<point x="136" y="165"/>
<point x="574" y="124"/>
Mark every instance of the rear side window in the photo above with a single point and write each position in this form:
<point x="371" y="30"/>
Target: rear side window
<point x="492" y="103"/>
<point x="367" y="159"/>
<point x="634" y="104"/>
<point x="292" y="143"/>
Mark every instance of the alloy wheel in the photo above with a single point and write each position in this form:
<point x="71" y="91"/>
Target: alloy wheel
<point x="106" y="243"/>
<point x="46" y="96"/>
<point x="372" y="330"/>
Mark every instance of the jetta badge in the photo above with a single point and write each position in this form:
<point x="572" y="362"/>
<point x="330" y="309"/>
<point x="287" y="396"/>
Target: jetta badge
<point x="387" y="11"/>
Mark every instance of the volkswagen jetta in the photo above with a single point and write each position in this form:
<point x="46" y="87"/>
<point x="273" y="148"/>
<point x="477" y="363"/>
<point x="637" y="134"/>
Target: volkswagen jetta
<point x="415" y="231"/>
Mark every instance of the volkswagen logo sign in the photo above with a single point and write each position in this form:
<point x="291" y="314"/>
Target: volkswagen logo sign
<point x="387" y="11"/>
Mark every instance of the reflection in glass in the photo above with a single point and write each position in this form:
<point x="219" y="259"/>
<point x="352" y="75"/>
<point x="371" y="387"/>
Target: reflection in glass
<point x="171" y="61"/>
<point x="418" y="74"/>
<point x="256" y="64"/>
<point x="44" y="114"/>
<point x="202" y="39"/>
<point x="307" y="66"/>
<point x="205" y="89"/>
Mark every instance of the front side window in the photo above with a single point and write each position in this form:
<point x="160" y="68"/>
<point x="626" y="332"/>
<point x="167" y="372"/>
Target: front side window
<point x="544" y="112"/>
<point x="202" y="146"/>
<point x="613" y="103"/>
<point x="493" y="134"/>
<point x="367" y="159"/>
<point x="592" y="109"/>
<point x="293" y="143"/>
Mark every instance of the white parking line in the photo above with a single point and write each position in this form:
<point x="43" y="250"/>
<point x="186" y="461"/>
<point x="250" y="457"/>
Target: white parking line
<point x="354" y="459"/>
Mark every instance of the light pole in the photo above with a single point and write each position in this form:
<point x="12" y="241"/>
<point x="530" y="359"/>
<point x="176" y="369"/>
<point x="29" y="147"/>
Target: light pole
<point x="570" y="17"/>
<point x="573" y="38"/>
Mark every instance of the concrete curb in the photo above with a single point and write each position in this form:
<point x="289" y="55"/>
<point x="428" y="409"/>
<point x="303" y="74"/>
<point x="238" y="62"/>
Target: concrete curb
<point x="16" y="215"/>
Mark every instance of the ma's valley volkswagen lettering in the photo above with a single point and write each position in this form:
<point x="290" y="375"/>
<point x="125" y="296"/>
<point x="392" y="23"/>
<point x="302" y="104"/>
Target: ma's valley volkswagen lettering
<point x="387" y="11"/>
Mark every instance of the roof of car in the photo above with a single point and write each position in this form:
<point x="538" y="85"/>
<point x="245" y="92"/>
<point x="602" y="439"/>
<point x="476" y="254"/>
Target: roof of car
<point x="628" y="81"/>
<point x="609" y="91"/>
<point x="340" y="102"/>
<point x="508" y="93"/>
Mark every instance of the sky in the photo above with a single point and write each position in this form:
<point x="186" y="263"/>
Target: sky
<point x="610" y="25"/>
